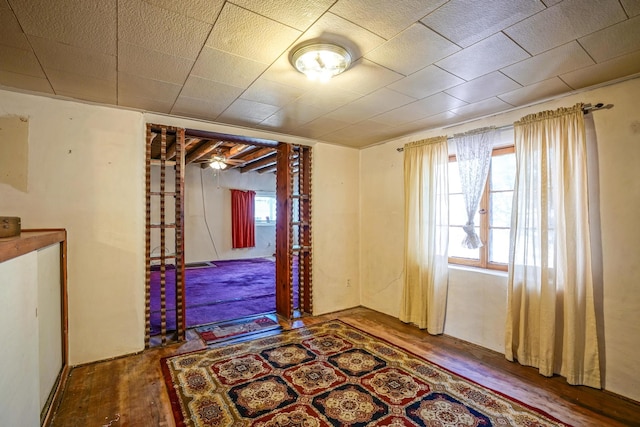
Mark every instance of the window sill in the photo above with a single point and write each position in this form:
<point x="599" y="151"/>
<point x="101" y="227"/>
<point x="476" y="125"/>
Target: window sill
<point x="487" y="271"/>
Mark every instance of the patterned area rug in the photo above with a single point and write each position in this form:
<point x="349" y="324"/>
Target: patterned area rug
<point x="330" y="374"/>
<point x="224" y="331"/>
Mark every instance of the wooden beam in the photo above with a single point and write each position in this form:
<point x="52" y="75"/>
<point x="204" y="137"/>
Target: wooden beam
<point x="265" y="161"/>
<point x="256" y="155"/>
<point x="238" y="149"/>
<point x="284" y="191"/>
<point x="231" y="138"/>
<point x="273" y="168"/>
<point x="171" y="151"/>
<point x="203" y="149"/>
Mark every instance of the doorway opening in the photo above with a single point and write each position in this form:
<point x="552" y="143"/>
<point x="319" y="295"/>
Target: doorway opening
<point x="195" y="273"/>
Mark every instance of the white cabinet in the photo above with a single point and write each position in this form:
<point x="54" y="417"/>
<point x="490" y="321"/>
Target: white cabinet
<point x="32" y="325"/>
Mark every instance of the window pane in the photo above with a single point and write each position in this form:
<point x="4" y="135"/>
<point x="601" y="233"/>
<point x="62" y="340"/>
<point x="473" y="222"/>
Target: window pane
<point x="265" y="209"/>
<point x="499" y="246"/>
<point x="454" y="178"/>
<point x="500" y="211"/>
<point x="456" y="235"/>
<point x="458" y="211"/>
<point x="503" y="172"/>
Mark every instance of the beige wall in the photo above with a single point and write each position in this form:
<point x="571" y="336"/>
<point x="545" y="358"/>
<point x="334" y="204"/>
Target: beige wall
<point x="217" y="199"/>
<point x="86" y="174"/>
<point x="335" y="232"/>
<point x="476" y="301"/>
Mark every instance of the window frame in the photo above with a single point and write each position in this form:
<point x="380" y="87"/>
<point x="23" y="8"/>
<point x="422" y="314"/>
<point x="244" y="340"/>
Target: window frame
<point x="485" y="204"/>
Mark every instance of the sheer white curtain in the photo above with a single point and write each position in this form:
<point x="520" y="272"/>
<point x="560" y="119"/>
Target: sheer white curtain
<point x="551" y="321"/>
<point x="473" y="155"/>
<point x="426" y="216"/>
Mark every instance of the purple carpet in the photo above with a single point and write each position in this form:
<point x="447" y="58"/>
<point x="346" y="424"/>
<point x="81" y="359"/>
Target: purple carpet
<point x="231" y="290"/>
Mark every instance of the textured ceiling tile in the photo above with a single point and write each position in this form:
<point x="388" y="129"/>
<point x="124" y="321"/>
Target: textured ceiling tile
<point x="22" y="81"/>
<point x="483" y="87"/>
<point x="272" y="93"/>
<point x="154" y="65"/>
<point x="19" y="61"/>
<point x="632" y="7"/>
<point x="159" y="29"/>
<point x="431" y="122"/>
<point x="243" y="111"/>
<point x="482" y="108"/>
<point x="383" y="17"/>
<point x="196" y="108"/>
<point x="292" y="116"/>
<point x="157" y="106"/>
<point x="247" y="34"/>
<point x="364" y="77"/>
<point x="426" y="82"/>
<point x="614" y="41"/>
<point x="141" y="87"/>
<point x="218" y="93"/>
<point x="562" y="59"/>
<point x="564" y="22"/>
<point x="535" y="92"/>
<point x="59" y="56"/>
<point x="327" y="98"/>
<point x="83" y="87"/>
<point x="88" y="24"/>
<point x="335" y="29"/>
<point x="226" y="68"/>
<point x="549" y="3"/>
<point x="616" y="68"/>
<point x="466" y="22"/>
<point x="361" y="134"/>
<point x="420" y="109"/>
<point x="371" y="105"/>
<point x="202" y="10"/>
<point x="490" y="54"/>
<point x="413" y="49"/>
<point x="10" y="32"/>
<point x="321" y="126"/>
<point x="294" y="13"/>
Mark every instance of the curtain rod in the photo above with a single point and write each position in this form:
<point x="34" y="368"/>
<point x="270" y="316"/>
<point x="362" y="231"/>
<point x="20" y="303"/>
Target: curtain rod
<point x="586" y="109"/>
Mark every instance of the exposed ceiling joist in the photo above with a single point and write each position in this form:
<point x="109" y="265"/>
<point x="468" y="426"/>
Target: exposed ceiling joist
<point x="269" y="160"/>
<point x="201" y="150"/>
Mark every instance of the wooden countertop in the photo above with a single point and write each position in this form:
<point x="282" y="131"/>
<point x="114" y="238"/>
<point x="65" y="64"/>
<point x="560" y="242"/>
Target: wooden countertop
<point x="29" y="240"/>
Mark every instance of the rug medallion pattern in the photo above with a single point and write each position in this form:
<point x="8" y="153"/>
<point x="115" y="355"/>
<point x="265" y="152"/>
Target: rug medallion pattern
<point x="330" y="375"/>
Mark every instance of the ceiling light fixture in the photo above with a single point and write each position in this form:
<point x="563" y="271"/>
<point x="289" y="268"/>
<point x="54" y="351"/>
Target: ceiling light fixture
<point x="321" y="61"/>
<point x="217" y="164"/>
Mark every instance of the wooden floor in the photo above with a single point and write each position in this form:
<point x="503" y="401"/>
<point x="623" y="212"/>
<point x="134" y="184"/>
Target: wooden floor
<point x="130" y="391"/>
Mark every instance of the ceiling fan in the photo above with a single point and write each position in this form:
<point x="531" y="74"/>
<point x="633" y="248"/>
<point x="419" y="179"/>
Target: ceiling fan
<point x="219" y="161"/>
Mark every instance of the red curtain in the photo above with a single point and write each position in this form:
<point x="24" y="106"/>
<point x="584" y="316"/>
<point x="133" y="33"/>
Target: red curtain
<point x="243" y="219"/>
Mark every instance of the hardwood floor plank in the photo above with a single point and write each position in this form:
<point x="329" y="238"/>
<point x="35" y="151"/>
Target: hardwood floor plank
<point x="132" y="388"/>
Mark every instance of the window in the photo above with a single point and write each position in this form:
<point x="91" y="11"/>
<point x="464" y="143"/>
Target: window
<point x="493" y="218"/>
<point x="265" y="209"/>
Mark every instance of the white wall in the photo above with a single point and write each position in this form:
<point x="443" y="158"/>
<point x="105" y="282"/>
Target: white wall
<point x="199" y="244"/>
<point x="477" y="301"/>
<point x="86" y="174"/>
<point x="335" y="228"/>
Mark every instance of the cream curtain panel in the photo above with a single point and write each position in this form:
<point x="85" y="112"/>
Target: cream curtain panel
<point x="426" y="218"/>
<point x="473" y="155"/>
<point x="551" y="321"/>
